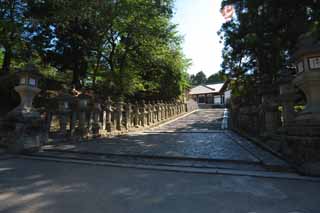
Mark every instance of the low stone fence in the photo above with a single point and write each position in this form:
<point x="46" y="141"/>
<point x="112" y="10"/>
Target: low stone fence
<point x="83" y="118"/>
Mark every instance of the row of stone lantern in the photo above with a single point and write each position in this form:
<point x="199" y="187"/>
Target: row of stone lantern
<point x="91" y="117"/>
<point x="78" y="117"/>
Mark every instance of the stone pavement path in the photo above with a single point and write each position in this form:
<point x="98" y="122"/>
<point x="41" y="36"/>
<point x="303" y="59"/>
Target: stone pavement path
<point x="37" y="186"/>
<point x="87" y="177"/>
<point x="197" y="136"/>
<point x="204" y="120"/>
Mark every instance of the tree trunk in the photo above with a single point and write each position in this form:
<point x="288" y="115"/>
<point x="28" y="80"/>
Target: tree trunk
<point x="6" y="61"/>
<point x="95" y="71"/>
<point x="76" y="80"/>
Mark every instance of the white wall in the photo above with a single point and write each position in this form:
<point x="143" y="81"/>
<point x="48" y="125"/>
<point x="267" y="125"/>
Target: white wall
<point x="227" y="96"/>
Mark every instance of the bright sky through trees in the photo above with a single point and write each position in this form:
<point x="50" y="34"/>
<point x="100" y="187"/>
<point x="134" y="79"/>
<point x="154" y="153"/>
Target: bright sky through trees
<point x="199" y="21"/>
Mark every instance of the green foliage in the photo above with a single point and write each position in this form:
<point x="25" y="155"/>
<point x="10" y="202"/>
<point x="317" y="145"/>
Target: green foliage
<point x="260" y="41"/>
<point x="119" y="48"/>
<point x="201" y="78"/>
<point x="12" y="22"/>
<point x="198" y="79"/>
<point x="1" y="57"/>
<point x="215" y="78"/>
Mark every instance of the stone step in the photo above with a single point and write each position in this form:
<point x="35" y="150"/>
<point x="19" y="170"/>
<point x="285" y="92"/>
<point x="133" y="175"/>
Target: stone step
<point x="183" y="169"/>
<point x="160" y="160"/>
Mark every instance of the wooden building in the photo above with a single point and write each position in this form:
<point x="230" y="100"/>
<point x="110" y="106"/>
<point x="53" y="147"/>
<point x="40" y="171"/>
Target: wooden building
<point x="210" y="95"/>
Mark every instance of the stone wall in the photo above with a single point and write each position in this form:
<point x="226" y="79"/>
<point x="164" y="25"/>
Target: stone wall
<point x="274" y="123"/>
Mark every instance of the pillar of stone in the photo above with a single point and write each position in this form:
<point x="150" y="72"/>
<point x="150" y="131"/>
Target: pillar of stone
<point x="157" y="111"/>
<point x="82" y="104"/>
<point x="178" y="107"/>
<point x="143" y="114"/>
<point x="136" y="112"/>
<point x="104" y="119"/>
<point x="172" y="109"/>
<point x="95" y="126"/>
<point x="48" y="120"/>
<point x="181" y="107"/>
<point x="73" y="121"/>
<point x="114" y="115"/>
<point x="108" y="115"/>
<point x="166" y="110"/>
<point x="63" y="112"/>
<point x="161" y="107"/>
<point x="272" y="118"/>
<point x="149" y="113"/>
<point x="154" y="112"/>
<point x="176" y="110"/>
<point x="163" y="110"/>
<point x="128" y="112"/>
<point x="286" y="98"/>
<point x="269" y="108"/>
<point x="119" y="109"/>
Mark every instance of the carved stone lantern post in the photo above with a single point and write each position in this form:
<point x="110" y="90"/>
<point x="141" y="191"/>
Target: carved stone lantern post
<point x="25" y="125"/>
<point x="149" y="113"/>
<point x="128" y="117"/>
<point x="136" y="113"/>
<point x="269" y="111"/>
<point x="308" y="77"/>
<point x="108" y="110"/>
<point x="143" y="114"/>
<point x="64" y="110"/>
<point x="287" y="96"/>
<point x="83" y="102"/>
<point x="303" y="131"/>
<point x="95" y="126"/>
<point x="119" y="110"/>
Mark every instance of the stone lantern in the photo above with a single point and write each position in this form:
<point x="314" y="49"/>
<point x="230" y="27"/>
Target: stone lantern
<point x="27" y="88"/>
<point x="25" y="127"/>
<point x="307" y="59"/>
<point x="82" y="105"/>
<point x="303" y="135"/>
<point x="64" y="101"/>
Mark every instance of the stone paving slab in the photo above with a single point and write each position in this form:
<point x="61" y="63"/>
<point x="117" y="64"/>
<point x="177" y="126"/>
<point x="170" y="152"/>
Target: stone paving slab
<point x="266" y="157"/>
<point x="36" y="186"/>
<point x="205" y="140"/>
<point x="199" y="121"/>
<point x="217" y="146"/>
<point x="148" y="160"/>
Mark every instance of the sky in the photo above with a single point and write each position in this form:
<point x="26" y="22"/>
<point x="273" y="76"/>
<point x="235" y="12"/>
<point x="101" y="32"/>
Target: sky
<point x="199" y="21"/>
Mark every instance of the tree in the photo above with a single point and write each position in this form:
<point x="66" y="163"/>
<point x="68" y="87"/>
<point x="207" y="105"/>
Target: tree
<point x="261" y="40"/>
<point x="198" y="79"/>
<point x="117" y="48"/>
<point x="215" y="78"/>
<point x="12" y="22"/>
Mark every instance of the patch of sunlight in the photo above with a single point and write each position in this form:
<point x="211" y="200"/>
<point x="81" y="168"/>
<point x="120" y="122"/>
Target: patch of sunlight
<point x="6" y="195"/>
<point x="31" y="196"/>
<point x="5" y="169"/>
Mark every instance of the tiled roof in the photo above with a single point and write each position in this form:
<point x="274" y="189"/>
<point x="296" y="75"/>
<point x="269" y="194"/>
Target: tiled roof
<point x="206" y="89"/>
<point x="215" y="87"/>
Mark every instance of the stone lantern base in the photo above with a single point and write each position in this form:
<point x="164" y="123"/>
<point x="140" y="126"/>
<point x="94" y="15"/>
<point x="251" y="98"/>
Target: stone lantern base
<point x="303" y="132"/>
<point x="25" y="131"/>
<point x="303" y="145"/>
<point x="24" y="127"/>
